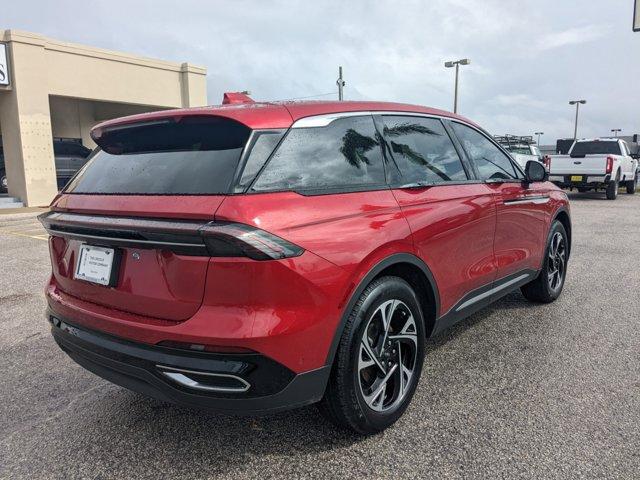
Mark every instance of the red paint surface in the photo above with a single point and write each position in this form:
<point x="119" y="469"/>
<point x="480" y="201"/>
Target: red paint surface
<point x="289" y="309"/>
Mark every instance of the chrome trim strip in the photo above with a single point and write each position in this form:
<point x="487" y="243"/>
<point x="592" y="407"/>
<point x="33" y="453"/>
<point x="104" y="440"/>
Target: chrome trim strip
<point x="488" y="293"/>
<point x="326" y="118"/>
<point x="538" y="200"/>
<point x="180" y="376"/>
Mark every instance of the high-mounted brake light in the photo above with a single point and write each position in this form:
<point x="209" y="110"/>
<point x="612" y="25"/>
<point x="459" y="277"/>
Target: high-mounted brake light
<point x="240" y="240"/>
<point x="609" y="165"/>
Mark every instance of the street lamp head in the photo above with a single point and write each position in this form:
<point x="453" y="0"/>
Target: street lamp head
<point x="539" y="133"/>
<point x="573" y="102"/>
<point x="449" y="64"/>
<point x="465" y="61"/>
<point x="582" y="101"/>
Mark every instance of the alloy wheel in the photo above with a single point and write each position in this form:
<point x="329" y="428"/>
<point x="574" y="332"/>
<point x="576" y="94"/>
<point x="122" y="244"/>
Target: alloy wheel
<point x="387" y="355"/>
<point x="557" y="261"/>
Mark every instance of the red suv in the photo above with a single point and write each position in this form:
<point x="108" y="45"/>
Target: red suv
<point x="254" y="257"/>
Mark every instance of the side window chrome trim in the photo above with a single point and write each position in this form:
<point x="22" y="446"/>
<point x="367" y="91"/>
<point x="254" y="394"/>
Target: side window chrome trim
<point x="325" y="119"/>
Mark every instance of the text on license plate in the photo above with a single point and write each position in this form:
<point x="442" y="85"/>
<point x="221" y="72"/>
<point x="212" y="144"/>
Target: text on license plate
<point x="95" y="264"/>
<point x="576" y="178"/>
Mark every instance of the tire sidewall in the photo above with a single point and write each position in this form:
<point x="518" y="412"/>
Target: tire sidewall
<point x="391" y="288"/>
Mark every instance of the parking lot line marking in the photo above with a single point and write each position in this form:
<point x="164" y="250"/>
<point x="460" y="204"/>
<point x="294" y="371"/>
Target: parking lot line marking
<point x="20" y="226"/>
<point x="26" y="230"/>
<point x="17" y="234"/>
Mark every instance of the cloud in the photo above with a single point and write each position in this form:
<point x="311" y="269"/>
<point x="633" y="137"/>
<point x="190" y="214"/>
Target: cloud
<point x="572" y="36"/>
<point x="528" y="58"/>
<point x="520" y="99"/>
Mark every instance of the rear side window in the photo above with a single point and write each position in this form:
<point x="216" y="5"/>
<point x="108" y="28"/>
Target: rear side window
<point x="491" y="162"/>
<point x="193" y="156"/>
<point x="343" y="155"/>
<point x="421" y="151"/>
<point x="261" y="147"/>
<point x="595" y="148"/>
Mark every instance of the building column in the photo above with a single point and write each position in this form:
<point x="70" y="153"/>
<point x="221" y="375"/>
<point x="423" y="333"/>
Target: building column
<point x="86" y="120"/>
<point x="193" y="82"/>
<point x="26" y="125"/>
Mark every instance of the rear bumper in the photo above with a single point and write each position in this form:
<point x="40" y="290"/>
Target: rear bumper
<point x="230" y="383"/>
<point x="587" y="181"/>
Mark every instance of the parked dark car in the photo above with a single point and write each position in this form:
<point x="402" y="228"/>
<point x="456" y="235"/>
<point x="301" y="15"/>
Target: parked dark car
<point x="256" y="259"/>
<point x="70" y="155"/>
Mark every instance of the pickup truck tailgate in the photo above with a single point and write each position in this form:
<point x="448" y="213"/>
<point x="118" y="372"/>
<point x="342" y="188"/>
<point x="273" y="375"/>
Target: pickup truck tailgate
<point x="587" y="165"/>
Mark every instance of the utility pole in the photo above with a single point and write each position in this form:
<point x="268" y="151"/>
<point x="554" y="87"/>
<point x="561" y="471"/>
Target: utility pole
<point x="616" y="131"/>
<point x="577" y="104"/>
<point x="539" y="134"/>
<point x="341" y="83"/>
<point x="456" y="63"/>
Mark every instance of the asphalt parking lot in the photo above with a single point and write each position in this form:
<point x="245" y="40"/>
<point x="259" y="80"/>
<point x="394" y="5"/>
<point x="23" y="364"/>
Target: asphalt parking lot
<point x="517" y="390"/>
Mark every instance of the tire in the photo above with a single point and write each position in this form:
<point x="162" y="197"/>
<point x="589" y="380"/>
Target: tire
<point x="632" y="185"/>
<point x="612" y="188"/>
<point x="351" y="399"/>
<point x="549" y="283"/>
<point x="3" y="182"/>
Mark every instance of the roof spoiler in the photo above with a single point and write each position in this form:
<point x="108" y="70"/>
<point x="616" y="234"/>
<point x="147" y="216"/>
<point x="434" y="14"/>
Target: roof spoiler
<point x="234" y="98"/>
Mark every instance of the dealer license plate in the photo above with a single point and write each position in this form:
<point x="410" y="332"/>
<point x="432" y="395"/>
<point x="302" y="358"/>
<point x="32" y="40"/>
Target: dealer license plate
<point x="95" y="264"/>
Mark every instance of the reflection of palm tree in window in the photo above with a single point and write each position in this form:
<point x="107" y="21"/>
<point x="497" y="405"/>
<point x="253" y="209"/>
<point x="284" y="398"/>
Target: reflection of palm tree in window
<point x="408" y="152"/>
<point x="355" y="146"/>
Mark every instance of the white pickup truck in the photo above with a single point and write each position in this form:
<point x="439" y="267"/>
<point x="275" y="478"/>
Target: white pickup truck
<point x="521" y="148"/>
<point x="596" y="164"/>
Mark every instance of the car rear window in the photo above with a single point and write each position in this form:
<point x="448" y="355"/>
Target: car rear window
<point x="190" y="156"/>
<point x="595" y="147"/>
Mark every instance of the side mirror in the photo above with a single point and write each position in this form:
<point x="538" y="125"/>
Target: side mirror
<point x="535" y="172"/>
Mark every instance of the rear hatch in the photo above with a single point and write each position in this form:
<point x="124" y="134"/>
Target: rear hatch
<point x="126" y="230"/>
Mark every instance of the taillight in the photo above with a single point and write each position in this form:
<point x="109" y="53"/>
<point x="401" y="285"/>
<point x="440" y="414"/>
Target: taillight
<point x="240" y="240"/>
<point x="609" y="165"/>
<point x="546" y="160"/>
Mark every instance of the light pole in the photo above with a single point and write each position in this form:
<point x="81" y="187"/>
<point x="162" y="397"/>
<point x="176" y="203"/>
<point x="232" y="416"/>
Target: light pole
<point x="577" y="104"/>
<point x="539" y="134"/>
<point x="615" y="131"/>
<point x="456" y="63"/>
<point x="340" y="83"/>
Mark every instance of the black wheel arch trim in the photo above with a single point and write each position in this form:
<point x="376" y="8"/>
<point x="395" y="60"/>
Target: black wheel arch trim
<point x="394" y="259"/>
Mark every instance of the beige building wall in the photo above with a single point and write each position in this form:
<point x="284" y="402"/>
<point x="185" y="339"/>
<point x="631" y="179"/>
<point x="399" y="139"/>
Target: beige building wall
<point x="62" y="89"/>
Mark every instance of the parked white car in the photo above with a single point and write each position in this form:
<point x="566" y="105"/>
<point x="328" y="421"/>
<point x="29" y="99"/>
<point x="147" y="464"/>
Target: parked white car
<point x="596" y="164"/>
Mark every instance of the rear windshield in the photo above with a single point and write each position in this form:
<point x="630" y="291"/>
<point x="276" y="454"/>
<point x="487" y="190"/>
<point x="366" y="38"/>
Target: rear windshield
<point x="192" y="156"/>
<point x="595" y="147"/>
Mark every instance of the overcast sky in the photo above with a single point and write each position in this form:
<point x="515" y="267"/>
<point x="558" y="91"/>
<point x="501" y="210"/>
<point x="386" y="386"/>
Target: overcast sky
<point x="528" y="57"/>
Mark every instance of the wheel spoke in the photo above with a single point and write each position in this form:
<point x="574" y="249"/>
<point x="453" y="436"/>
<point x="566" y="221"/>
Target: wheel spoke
<point x="372" y="357"/>
<point x="386" y="319"/>
<point x="408" y="331"/>
<point x="376" y="398"/>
